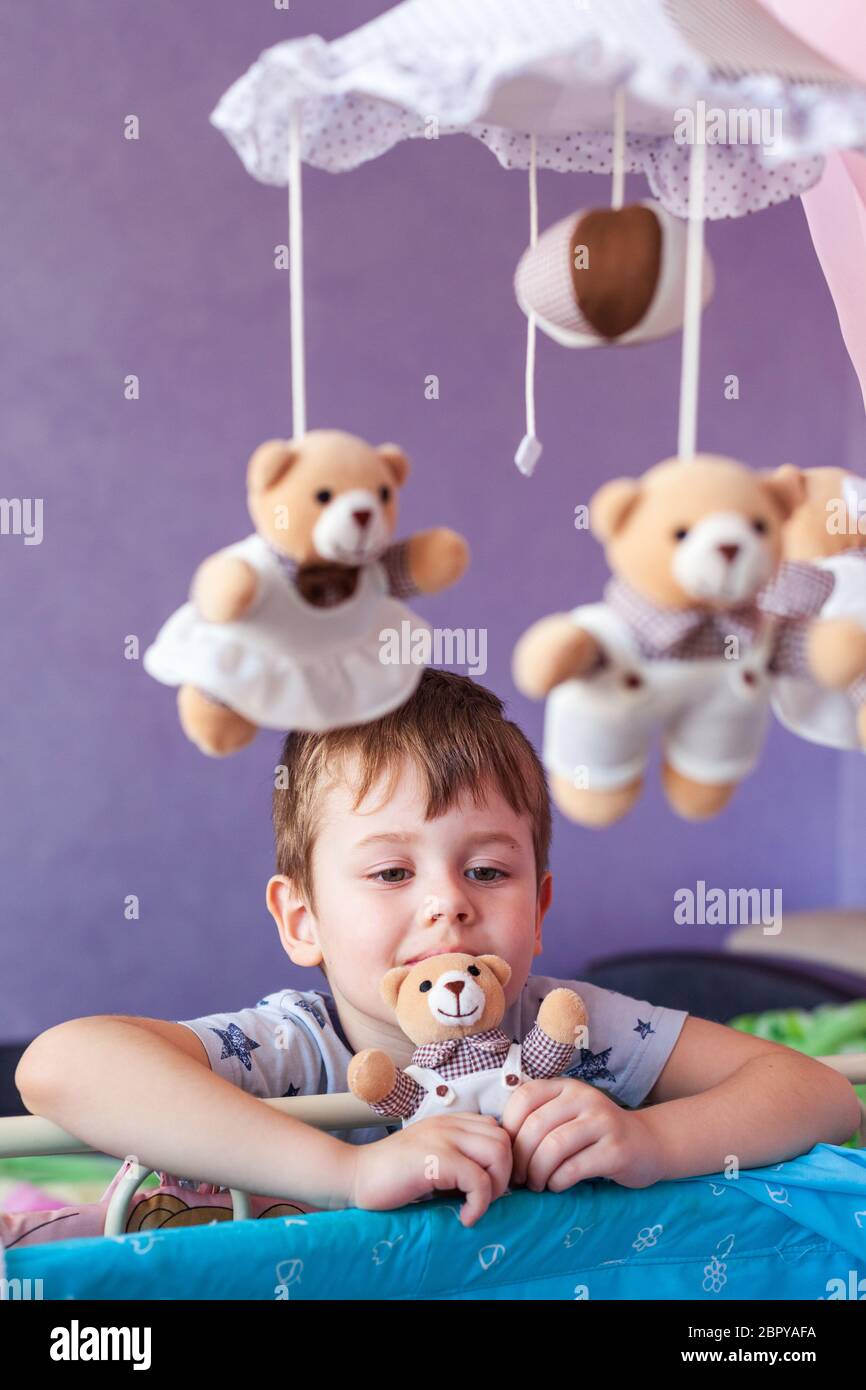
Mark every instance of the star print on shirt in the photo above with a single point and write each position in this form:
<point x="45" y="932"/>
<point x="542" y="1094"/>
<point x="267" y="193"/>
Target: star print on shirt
<point x="592" y="1066"/>
<point x="292" y="1091"/>
<point x="310" y="1009"/>
<point x="643" y="1028"/>
<point x="236" y="1044"/>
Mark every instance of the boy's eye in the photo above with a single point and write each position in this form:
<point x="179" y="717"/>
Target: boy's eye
<point x="386" y="875"/>
<point x="485" y="869"/>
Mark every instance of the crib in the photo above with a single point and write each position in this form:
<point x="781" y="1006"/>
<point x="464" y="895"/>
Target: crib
<point x="793" y="1230"/>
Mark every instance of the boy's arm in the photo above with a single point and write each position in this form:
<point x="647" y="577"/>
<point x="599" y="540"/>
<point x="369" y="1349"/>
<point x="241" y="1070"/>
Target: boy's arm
<point x="143" y="1087"/>
<point x="724" y="1092"/>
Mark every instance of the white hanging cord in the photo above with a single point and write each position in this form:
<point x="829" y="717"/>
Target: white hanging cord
<point x="296" y="276"/>
<point x="618" y="190"/>
<point x="531" y="330"/>
<point x="692" y="310"/>
<point x="529" y="451"/>
<point x="530" y="376"/>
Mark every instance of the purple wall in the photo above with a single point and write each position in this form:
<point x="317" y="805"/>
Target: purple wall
<point x="156" y="257"/>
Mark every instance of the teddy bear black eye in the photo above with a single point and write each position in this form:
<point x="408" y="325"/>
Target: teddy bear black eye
<point x="385" y="493"/>
<point x="473" y="970"/>
<point x="760" y="526"/>
<point x="324" y="495"/>
<point x="425" y="985"/>
<point x="681" y="533"/>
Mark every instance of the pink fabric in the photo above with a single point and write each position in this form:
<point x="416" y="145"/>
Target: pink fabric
<point x="25" y="1197"/>
<point x="166" y="1206"/>
<point x="836" y="206"/>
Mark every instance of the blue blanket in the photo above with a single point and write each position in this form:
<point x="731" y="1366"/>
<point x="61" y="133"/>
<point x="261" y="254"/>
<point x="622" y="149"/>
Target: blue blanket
<point x="795" y="1230"/>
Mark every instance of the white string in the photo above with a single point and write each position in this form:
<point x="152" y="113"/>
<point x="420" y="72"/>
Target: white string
<point x="531" y="327"/>
<point x="690" y="376"/>
<point x="296" y="276"/>
<point x="618" y="190"/>
<point x="529" y="449"/>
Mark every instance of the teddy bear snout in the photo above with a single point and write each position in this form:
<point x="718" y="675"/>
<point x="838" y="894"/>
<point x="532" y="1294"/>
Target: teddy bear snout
<point x="456" y="999"/>
<point x="352" y="529"/>
<point x="722" y="559"/>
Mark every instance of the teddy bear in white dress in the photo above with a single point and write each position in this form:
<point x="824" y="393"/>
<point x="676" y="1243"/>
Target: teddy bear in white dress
<point x="284" y="629"/>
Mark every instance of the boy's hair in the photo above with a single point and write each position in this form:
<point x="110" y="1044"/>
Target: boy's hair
<point x="454" y="732"/>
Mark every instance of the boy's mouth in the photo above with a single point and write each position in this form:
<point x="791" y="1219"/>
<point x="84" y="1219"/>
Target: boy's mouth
<point x="439" y="951"/>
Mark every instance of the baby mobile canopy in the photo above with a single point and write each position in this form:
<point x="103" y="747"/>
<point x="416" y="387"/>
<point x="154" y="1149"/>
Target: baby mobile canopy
<point x="725" y="112"/>
<point x="621" y="87"/>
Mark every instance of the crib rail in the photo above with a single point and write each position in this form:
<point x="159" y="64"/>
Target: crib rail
<point x="30" y="1136"/>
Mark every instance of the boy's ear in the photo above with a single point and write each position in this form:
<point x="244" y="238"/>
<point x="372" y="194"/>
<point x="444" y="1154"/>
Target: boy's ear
<point x="545" y="897"/>
<point x="294" y="921"/>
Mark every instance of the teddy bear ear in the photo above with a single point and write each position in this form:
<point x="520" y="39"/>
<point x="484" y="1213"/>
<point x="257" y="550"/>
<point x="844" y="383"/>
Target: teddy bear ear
<point x="390" y="986"/>
<point x="269" y="462"/>
<point x="787" y="487"/>
<point x="609" y="507"/>
<point x="396" y="460"/>
<point x="500" y="968"/>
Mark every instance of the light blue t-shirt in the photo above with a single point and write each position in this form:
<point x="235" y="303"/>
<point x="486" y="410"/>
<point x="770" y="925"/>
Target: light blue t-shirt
<point x="291" y="1043"/>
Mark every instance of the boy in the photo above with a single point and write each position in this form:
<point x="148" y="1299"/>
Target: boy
<point x="425" y="832"/>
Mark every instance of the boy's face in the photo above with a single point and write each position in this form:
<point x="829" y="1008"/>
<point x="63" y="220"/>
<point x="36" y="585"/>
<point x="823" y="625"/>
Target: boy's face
<point x="391" y="887"/>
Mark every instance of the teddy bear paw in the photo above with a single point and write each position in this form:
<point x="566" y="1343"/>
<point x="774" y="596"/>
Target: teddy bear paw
<point x="562" y="1015"/>
<point x="215" y="729"/>
<point x="371" y="1075"/>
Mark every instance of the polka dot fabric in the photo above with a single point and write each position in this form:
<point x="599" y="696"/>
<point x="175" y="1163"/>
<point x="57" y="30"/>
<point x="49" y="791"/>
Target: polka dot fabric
<point x="430" y="68"/>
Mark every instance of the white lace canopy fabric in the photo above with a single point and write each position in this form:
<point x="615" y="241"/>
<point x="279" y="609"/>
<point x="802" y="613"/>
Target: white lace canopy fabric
<point x="502" y="70"/>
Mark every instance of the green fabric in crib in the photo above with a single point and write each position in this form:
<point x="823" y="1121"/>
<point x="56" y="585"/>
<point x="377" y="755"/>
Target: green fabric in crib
<point x="828" y="1031"/>
<point x="67" y="1178"/>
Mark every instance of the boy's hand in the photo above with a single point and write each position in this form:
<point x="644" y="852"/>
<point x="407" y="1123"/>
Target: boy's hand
<point x="469" y="1153"/>
<point x="564" y="1130"/>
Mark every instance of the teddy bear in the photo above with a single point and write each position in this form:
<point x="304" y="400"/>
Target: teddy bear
<point x="828" y="529"/>
<point x="694" y="626"/>
<point x="450" y="1006"/>
<point x="282" y="629"/>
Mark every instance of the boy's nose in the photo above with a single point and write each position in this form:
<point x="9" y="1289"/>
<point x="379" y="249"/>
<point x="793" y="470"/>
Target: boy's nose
<point x="441" y="908"/>
<point x="443" y="914"/>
